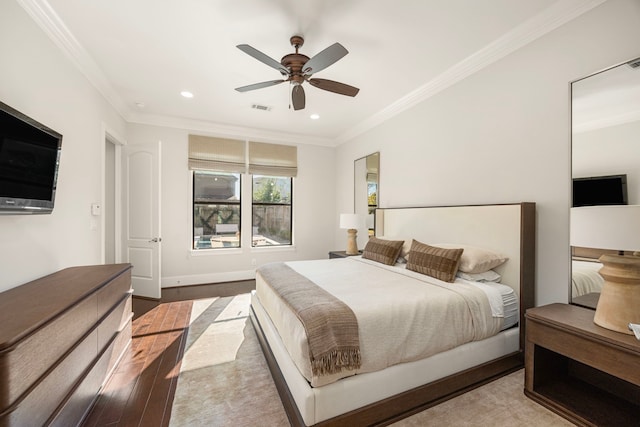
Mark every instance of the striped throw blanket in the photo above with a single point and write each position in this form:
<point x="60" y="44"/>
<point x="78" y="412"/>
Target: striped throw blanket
<point x="331" y="326"/>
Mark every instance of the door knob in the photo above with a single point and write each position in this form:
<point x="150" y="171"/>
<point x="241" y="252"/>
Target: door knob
<point x="155" y="240"/>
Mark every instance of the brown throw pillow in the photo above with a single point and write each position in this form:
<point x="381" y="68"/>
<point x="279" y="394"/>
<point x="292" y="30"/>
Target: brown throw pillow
<point x="436" y="262"/>
<point x="383" y="251"/>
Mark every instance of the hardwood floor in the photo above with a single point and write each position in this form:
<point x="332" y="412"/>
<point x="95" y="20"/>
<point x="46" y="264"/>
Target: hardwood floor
<point x="140" y="391"/>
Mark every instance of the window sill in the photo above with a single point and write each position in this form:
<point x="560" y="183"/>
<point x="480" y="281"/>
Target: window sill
<point x="287" y="248"/>
<point x="240" y="251"/>
<point x="215" y="251"/>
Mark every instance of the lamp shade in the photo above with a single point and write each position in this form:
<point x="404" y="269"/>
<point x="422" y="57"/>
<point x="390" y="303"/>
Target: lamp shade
<point x="351" y="221"/>
<point x="614" y="227"/>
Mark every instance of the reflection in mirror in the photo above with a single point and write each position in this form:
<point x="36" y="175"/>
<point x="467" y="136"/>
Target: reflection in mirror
<point x="605" y="164"/>
<point x="366" y="191"/>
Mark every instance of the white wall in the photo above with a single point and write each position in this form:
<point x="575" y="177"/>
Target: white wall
<point x="313" y="204"/>
<point x="38" y="80"/>
<point x="612" y="150"/>
<point x="501" y="135"/>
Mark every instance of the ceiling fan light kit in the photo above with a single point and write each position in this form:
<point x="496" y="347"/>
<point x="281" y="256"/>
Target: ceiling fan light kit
<point x="298" y="68"/>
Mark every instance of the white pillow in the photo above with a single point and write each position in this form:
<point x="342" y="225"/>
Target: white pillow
<point x="475" y="259"/>
<point x="487" y="276"/>
<point x="406" y="246"/>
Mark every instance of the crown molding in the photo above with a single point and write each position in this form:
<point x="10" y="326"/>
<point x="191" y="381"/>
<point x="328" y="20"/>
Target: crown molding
<point x="551" y="18"/>
<point x="49" y="21"/>
<point x="238" y="132"/>
<point x="605" y="122"/>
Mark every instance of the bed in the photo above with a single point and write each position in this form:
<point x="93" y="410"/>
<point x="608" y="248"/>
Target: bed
<point x="585" y="278"/>
<point x="411" y="377"/>
<point x="585" y="267"/>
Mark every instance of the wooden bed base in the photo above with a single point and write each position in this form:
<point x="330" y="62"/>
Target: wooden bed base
<point x="405" y="404"/>
<point x="395" y="408"/>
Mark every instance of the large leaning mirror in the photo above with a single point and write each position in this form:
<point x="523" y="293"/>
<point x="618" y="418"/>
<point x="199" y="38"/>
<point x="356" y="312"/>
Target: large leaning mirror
<point x="366" y="191"/>
<point x="605" y="168"/>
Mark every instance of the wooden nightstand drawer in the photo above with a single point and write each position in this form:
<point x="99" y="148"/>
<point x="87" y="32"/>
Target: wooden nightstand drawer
<point x="579" y="370"/>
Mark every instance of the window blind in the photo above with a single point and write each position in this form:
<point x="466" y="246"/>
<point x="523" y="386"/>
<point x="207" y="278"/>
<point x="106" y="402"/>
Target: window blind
<point x="216" y="154"/>
<point x="273" y="159"/>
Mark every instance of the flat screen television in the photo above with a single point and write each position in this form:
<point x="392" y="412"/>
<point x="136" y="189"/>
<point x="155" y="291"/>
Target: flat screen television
<point x="29" y="159"/>
<point x="600" y="190"/>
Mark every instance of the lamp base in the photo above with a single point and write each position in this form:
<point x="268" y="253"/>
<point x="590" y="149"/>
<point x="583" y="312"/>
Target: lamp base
<point x="619" y="302"/>
<point x="352" y="244"/>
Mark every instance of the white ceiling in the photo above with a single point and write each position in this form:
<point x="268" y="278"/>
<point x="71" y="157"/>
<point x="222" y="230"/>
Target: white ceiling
<point x="608" y="98"/>
<point x="142" y="53"/>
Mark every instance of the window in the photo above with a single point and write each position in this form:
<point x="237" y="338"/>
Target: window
<point x="217" y="165"/>
<point x="216" y="210"/>
<point x="271" y="210"/>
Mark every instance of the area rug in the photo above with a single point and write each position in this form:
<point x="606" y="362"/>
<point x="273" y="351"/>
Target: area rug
<point x="224" y="381"/>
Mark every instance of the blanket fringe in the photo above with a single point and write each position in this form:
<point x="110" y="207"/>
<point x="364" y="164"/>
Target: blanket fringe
<point x="336" y="361"/>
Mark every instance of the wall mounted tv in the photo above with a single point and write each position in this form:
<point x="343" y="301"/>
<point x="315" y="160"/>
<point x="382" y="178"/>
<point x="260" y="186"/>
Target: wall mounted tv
<point x="29" y="159"/>
<point x="600" y="190"/>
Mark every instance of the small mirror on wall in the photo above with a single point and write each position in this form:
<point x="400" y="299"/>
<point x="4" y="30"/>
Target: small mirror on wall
<point x="366" y="191"/>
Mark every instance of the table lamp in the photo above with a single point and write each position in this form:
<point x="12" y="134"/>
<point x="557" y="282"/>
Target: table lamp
<point x="614" y="227"/>
<point x="351" y="222"/>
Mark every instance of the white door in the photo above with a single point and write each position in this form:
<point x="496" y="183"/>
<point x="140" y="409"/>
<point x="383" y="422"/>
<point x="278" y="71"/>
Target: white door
<point x="142" y="216"/>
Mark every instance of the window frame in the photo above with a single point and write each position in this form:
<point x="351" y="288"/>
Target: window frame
<point x="290" y="204"/>
<point x="237" y="203"/>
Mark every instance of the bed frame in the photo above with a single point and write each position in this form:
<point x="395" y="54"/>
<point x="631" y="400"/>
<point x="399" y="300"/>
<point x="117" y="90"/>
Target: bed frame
<point x="480" y="225"/>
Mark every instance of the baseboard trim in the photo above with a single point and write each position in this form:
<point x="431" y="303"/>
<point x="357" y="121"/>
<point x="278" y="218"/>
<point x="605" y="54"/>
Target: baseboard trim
<point x="191" y="292"/>
<point x="200" y="279"/>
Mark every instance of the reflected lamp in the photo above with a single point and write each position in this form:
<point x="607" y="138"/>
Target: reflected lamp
<point x="615" y="227"/>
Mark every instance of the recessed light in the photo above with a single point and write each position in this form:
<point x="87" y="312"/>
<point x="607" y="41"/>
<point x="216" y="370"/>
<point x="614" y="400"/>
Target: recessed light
<point x="314" y="116"/>
<point x="186" y="94"/>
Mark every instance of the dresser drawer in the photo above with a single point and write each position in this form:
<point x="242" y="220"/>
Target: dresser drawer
<point x="24" y="363"/>
<point x="36" y="407"/>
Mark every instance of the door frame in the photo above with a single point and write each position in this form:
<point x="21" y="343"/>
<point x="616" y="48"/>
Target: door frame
<point x="110" y="136"/>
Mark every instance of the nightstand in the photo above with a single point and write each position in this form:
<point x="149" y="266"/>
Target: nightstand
<point x="588" y="374"/>
<point x="340" y="254"/>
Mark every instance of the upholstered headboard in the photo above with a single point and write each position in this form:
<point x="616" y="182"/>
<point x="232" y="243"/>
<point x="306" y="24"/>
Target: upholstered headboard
<point x="505" y="228"/>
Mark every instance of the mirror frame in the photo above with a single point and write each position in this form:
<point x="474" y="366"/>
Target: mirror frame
<point x="356" y="178"/>
<point x="571" y="163"/>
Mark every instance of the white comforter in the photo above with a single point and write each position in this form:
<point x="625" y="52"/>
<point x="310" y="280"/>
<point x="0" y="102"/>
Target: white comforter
<point x="402" y="315"/>
<point x="585" y="278"/>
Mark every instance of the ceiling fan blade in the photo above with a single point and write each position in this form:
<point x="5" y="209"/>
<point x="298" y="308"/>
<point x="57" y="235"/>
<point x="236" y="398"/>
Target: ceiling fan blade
<point x="251" y="51"/>
<point x="259" y="85"/>
<point x="298" y="97"/>
<point x="325" y="58"/>
<point x="336" y="87"/>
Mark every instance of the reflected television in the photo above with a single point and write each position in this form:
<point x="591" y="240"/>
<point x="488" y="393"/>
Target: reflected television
<point x="600" y="190"/>
<point x="29" y="159"/>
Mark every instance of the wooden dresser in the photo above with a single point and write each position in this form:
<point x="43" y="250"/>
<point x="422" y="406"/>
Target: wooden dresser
<point x="60" y="338"/>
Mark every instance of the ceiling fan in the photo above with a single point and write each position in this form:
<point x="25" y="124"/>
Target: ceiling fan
<point x="298" y="68"/>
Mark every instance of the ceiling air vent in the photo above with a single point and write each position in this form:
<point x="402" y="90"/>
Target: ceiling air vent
<point x="261" y="107"/>
<point x="634" y="64"/>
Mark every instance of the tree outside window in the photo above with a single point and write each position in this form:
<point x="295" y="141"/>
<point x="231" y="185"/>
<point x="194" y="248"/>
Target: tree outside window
<point x="272" y="210"/>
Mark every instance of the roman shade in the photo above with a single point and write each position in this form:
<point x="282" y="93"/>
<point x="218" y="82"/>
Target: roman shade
<point x="216" y="154"/>
<point x="273" y="159"/>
